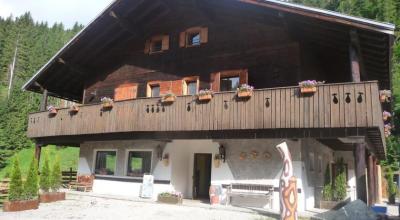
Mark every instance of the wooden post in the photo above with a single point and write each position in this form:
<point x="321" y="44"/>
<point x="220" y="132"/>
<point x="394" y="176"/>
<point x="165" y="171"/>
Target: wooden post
<point x="43" y="103"/>
<point x="371" y="181"/>
<point x="355" y="65"/>
<point x="360" y="167"/>
<point x="379" y="182"/>
<point x="38" y="149"/>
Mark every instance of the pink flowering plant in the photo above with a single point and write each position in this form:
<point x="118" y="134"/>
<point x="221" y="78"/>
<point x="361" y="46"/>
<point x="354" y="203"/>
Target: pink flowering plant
<point x="310" y="83"/>
<point x="51" y="108"/>
<point x="388" y="127"/>
<point x="386" y="93"/>
<point x="386" y="114"/>
<point x="204" y="92"/>
<point x="245" y="88"/>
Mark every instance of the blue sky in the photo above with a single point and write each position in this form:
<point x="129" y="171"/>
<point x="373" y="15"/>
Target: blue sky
<point x="65" y="11"/>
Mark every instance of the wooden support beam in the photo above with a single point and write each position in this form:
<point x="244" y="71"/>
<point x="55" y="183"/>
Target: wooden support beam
<point x="43" y="103"/>
<point x="356" y="62"/>
<point x="38" y="150"/>
<point x="360" y="171"/>
<point x="74" y="68"/>
<point x="126" y="25"/>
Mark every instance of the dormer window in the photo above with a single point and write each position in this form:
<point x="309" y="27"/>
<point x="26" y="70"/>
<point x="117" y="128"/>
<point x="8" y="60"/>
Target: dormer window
<point x="157" y="44"/>
<point x="193" y="37"/>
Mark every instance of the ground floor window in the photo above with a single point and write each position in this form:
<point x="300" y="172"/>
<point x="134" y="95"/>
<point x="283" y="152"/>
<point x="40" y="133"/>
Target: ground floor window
<point x="105" y="162"/>
<point x="139" y="163"/>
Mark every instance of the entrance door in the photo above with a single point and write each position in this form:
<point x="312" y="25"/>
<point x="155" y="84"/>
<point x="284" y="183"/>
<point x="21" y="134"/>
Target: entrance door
<point x="201" y="176"/>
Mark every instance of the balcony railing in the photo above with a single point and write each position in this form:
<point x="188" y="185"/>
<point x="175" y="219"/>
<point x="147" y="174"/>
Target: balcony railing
<point x="345" y="105"/>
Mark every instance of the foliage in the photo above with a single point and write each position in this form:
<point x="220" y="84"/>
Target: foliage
<point x="16" y="189"/>
<point x="392" y="189"/>
<point x="340" y="192"/>
<point x="55" y="178"/>
<point x="35" y="44"/>
<point x="327" y="193"/>
<point x="245" y="88"/>
<point x="31" y="186"/>
<point x="45" y="182"/>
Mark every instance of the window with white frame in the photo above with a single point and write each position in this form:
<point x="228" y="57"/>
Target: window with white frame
<point x="311" y="162"/>
<point x="139" y="163"/>
<point x="105" y="162"/>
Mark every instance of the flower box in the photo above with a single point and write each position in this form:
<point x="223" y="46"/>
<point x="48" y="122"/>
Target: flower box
<point x="332" y="205"/>
<point x="385" y="95"/>
<point x="74" y="109"/>
<point x="168" y="98"/>
<point x="15" y="206"/>
<point x="51" y="197"/>
<point x="169" y="198"/>
<point x="52" y="110"/>
<point x="206" y="97"/>
<point x="107" y="105"/>
<point x="308" y="90"/>
<point x="244" y="94"/>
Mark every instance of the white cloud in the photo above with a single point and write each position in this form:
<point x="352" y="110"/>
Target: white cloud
<point x="66" y="11"/>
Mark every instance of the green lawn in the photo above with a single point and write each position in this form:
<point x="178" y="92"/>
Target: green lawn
<point x="69" y="157"/>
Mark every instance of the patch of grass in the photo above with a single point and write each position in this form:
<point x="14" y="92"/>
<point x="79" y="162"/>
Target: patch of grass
<point x="69" y="157"/>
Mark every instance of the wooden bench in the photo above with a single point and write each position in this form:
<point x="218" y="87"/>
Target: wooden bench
<point x="250" y="190"/>
<point x="84" y="182"/>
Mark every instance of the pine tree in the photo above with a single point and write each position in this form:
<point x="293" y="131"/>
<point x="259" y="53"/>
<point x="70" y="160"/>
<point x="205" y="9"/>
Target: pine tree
<point x="16" y="190"/>
<point x="31" y="186"/>
<point x="45" y="181"/>
<point x="56" y="175"/>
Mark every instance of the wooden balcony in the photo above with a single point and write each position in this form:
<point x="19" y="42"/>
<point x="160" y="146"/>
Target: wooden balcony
<point x="346" y="109"/>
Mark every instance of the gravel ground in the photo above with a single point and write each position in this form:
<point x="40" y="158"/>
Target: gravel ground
<point x="84" y="207"/>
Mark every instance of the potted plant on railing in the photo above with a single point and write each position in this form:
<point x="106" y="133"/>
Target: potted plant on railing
<point x="20" y="199"/>
<point x="309" y="86"/>
<point x="168" y="98"/>
<point x="385" y="95"/>
<point x="107" y="102"/>
<point x="245" y="91"/>
<point x="170" y="197"/>
<point x="386" y="115"/>
<point x="73" y="109"/>
<point x="52" y="110"/>
<point x="205" y="95"/>
<point x="53" y="182"/>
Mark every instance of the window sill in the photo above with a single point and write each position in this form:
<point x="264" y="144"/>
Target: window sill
<point x="128" y="179"/>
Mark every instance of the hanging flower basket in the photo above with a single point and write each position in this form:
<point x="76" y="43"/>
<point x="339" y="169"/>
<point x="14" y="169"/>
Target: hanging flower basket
<point x="245" y="91"/>
<point x="74" y="109"/>
<point x="205" y="95"/>
<point x="385" y="95"/>
<point x="107" y="103"/>
<point x="168" y="98"/>
<point x="309" y="86"/>
<point x="386" y="115"/>
<point x="52" y="110"/>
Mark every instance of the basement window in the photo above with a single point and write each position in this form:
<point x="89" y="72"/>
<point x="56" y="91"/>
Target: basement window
<point x="139" y="163"/>
<point x="105" y="162"/>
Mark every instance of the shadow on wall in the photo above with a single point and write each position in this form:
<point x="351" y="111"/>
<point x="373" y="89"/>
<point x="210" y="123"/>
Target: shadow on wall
<point x="257" y="159"/>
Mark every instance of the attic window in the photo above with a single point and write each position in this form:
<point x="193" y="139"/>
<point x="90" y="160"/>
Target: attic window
<point x="156" y="44"/>
<point x="193" y="37"/>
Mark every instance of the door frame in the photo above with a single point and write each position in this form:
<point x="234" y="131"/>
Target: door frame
<point x="194" y="194"/>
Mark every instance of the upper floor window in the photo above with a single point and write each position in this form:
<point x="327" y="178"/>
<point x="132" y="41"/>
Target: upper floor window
<point x="194" y="36"/>
<point x="105" y="162"/>
<point x="229" y="83"/>
<point x="139" y="163"/>
<point x="155" y="90"/>
<point x="190" y="85"/>
<point x="156" y="44"/>
<point x="228" y="80"/>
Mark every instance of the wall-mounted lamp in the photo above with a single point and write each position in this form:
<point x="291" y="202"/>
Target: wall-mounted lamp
<point x="222" y="152"/>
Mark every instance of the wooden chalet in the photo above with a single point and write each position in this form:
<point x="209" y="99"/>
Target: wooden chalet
<point x="137" y="51"/>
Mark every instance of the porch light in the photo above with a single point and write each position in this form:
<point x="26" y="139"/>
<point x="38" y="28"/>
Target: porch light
<point x="222" y="152"/>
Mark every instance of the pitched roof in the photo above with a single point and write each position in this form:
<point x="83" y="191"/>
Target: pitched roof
<point x="290" y="8"/>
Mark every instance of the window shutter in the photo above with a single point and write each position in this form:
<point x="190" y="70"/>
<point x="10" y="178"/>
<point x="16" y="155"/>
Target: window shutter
<point x="215" y="81"/>
<point x="182" y="39"/>
<point x="243" y="77"/>
<point x="177" y="87"/>
<point x="125" y="92"/>
<point x="165" y="42"/>
<point x="147" y="47"/>
<point x="204" y="35"/>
